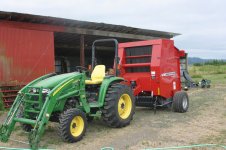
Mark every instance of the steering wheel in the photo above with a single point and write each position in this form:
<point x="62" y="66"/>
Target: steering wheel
<point x="81" y="69"/>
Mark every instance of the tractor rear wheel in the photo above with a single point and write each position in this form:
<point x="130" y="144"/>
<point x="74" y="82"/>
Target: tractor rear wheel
<point x="72" y="125"/>
<point x="180" y="102"/>
<point x="119" y="106"/>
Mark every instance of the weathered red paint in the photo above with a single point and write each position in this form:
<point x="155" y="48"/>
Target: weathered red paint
<point x="165" y="59"/>
<point x="32" y="26"/>
<point x="25" y="54"/>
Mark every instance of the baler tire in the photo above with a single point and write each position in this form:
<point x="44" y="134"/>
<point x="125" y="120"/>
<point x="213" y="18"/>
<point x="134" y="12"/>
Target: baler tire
<point x="180" y="102"/>
<point x="69" y="121"/>
<point x="112" y="113"/>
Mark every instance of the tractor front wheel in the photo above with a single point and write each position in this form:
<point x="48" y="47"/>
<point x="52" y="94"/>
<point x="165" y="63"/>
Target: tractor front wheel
<point x="119" y="106"/>
<point x="26" y="127"/>
<point x="180" y="102"/>
<point x="72" y="125"/>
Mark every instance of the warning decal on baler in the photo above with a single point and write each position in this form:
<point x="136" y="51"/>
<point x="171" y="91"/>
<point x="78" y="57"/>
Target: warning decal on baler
<point x="168" y="74"/>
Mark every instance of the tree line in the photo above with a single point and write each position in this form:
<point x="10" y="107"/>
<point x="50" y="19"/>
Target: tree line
<point x="212" y="62"/>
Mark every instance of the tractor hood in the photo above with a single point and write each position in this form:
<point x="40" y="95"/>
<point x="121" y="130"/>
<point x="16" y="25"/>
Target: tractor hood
<point x="51" y="82"/>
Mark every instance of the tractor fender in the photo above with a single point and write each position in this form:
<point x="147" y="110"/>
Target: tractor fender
<point x="56" y="92"/>
<point x="104" y="87"/>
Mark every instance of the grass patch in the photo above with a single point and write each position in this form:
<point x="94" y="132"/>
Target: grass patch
<point x="207" y="69"/>
<point x="51" y="128"/>
<point x="217" y="74"/>
<point x="220" y="72"/>
<point x="218" y="139"/>
<point x="44" y="146"/>
<point x="196" y="76"/>
<point x="215" y="79"/>
<point x="21" y="133"/>
<point x="16" y="128"/>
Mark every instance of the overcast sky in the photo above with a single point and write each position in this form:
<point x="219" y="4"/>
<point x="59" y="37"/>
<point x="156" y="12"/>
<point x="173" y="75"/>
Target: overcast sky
<point x="202" y="23"/>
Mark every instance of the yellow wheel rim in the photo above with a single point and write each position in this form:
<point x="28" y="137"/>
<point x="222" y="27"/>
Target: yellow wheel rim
<point x="124" y="106"/>
<point x="77" y="126"/>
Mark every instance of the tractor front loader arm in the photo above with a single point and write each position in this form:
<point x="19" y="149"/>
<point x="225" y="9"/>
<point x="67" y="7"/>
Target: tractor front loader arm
<point x="51" y="100"/>
<point x="9" y="123"/>
<point x="8" y="126"/>
<point x="47" y="106"/>
<point x="46" y="112"/>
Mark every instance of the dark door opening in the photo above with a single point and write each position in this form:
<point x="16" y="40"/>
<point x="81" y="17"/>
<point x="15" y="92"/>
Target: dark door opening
<point x="67" y="55"/>
<point x="67" y="52"/>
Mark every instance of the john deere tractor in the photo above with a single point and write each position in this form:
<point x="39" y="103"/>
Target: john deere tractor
<point x="71" y="99"/>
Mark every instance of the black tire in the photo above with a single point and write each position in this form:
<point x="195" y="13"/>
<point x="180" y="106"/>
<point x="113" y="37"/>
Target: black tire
<point x="66" y="123"/>
<point x="26" y="127"/>
<point x="110" y="111"/>
<point x="89" y="118"/>
<point x="180" y="102"/>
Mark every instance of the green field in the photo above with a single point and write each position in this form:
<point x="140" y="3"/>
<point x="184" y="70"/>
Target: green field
<point x="217" y="74"/>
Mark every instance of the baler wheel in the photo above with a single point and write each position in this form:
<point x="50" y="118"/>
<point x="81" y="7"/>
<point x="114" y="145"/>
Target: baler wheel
<point x="72" y="125"/>
<point x="180" y="102"/>
<point x="119" y="106"/>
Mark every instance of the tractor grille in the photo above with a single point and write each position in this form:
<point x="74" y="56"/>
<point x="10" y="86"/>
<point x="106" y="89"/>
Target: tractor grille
<point x="136" y="55"/>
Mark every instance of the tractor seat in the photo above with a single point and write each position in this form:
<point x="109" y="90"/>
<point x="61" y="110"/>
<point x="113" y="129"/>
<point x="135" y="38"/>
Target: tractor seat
<point x="97" y="75"/>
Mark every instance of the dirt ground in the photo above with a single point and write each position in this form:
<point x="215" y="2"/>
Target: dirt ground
<point x="205" y="122"/>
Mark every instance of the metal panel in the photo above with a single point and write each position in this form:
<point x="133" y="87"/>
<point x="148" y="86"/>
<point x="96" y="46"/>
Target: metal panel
<point x="25" y="54"/>
<point x="183" y="68"/>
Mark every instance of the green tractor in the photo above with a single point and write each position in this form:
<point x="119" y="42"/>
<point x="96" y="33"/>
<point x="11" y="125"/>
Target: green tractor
<point x="71" y="99"/>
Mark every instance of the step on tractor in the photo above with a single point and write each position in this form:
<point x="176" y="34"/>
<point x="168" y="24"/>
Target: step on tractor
<point x="71" y="99"/>
<point x="142" y="73"/>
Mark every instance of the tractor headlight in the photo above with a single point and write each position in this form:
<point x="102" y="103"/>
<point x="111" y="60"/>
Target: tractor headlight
<point x="45" y="91"/>
<point x="33" y="90"/>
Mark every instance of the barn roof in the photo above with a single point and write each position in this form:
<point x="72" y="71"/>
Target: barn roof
<point x="126" y="31"/>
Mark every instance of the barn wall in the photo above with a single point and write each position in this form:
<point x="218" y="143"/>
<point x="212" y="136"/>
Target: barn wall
<point x="25" y="54"/>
